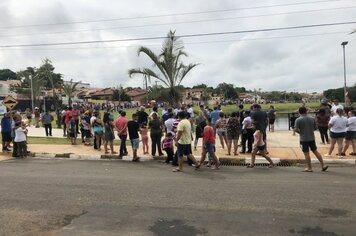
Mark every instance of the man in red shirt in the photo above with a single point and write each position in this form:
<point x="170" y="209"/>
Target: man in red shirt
<point x="121" y="128"/>
<point x="209" y="145"/>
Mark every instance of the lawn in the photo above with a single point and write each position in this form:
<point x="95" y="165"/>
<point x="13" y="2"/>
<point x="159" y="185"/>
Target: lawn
<point x="60" y="141"/>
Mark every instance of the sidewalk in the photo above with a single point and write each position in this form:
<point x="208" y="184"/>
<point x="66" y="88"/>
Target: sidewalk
<point x="281" y="145"/>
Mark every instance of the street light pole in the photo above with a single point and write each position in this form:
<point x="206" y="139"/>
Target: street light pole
<point x="343" y="49"/>
<point x="31" y="78"/>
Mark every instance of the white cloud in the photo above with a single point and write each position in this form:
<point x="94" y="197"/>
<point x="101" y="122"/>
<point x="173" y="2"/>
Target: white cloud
<point x="292" y="63"/>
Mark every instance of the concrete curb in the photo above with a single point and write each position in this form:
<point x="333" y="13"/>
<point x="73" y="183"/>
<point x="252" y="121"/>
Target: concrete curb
<point x="223" y="160"/>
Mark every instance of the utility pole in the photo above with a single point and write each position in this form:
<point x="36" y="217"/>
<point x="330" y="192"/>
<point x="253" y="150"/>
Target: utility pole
<point x="31" y="78"/>
<point x="343" y="49"/>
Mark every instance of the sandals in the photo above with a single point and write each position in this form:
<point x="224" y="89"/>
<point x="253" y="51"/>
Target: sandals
<point x="324" y="168"/>
<point x="176" y="170"/>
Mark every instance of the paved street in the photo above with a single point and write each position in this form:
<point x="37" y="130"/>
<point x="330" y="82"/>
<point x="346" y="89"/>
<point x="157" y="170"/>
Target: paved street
<point x="68" y="197"/>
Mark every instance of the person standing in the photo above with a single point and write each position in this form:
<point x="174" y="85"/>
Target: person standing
<point x="144" y="137"/>
<point x="6" y="132"/>
<point x="67" y="118"/>
<point x="37" y="117"/>
<point x="336" y="106"/>
<point x="260" y="119"/>
<point x="338" y="128"/>
<point x="133" y="129"/>
<point x="28" y="116"/>
<point x="85" y="120"/>
<point x="109" y="134"/>
<point x="247" y="133"/>
<point x="47" y="119"/>
<point x="200" y="123"/>
<point x="322" y="121"/>
<point x="20" y="139"/>
<point x="169" y="122"/>
<point x="351" y="133"/>
<point x="221" y="125"/>
<point x="76" y="115"/>
<point x="214" y="115"/>
<point x="121" y="128"/>
<point x="142" y="116"/>
<point x="155" y="126"/>
<point x="184" y="141"/>
<point x="271" y="118"/>
<point x="305" y="127"/>
<point x="233" y="133"/>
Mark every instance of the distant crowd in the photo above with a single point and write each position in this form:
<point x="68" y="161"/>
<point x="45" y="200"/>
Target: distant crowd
<point x="173" y="130"/>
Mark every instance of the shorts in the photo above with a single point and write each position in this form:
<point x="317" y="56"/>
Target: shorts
<point x="86" y="133"/>
<point x="135" y="143"/>
<point x="184" y="149"/>
<point x="6" y="136"/>
<point x="271" y="121"/>
<point x="308" y="145"/>
<point x="221" y="132"/>
<point x="350" y="135"/>
<point x="261" y="148"/>
<point x="233" y="136"/>
<point x="337" y="135"/>
<point x="209" y="147"/>
<point x="98" y="133"/>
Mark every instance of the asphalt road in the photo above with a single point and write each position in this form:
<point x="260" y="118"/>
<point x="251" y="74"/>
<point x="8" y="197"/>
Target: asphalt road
<point x="67" y="197"/>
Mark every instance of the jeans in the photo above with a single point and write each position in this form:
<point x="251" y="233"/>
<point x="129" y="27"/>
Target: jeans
<point x="48" y="129"/>
<point x="21" y="149"/>
<point x="323" y="133"/>
<point x="247" y="137"/>
<point x="123" y="149"/>
<point x="156" y="142"/>
<point x="170" y="154"/>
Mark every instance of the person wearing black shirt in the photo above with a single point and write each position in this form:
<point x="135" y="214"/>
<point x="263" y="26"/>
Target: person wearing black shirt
<point x="142" y="116"/>
<point x="155" y="126"/>
<point x="133" y="129"/>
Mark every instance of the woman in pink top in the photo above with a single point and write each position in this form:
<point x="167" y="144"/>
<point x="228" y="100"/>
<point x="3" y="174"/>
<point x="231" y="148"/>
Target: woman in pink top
<point x="209" y="145"/>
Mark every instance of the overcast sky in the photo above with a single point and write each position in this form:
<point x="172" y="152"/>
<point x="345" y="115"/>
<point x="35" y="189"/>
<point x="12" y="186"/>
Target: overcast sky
<point x="307" y="59"/>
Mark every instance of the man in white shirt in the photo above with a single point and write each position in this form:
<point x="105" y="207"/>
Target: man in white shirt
<point x="336" y="106"/>
<point x="169" y="123"/>
<point x="190" y="111"/>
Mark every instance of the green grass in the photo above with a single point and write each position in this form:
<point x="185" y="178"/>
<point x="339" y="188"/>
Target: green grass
<point x="61" y="141"/>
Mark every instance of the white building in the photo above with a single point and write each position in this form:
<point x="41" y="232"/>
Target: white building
<point x="5" y="88"/>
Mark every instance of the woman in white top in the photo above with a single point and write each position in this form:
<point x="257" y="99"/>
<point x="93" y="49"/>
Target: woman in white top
<point x="350" y="134"/>
<point x="337" y="126"/>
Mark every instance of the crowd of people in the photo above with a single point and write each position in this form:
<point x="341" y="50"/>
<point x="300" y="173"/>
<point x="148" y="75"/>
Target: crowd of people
<point x="171" y="130"/>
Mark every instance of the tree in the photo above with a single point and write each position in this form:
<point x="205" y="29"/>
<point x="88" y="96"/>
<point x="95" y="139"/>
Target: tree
<point x="227" y="91"/>
<point x="7" y="74"/>
<point x="24" y="88"/>
<point x="171" y="71"/>
<point x="53" y="81"/>
<point x="120" y="94"/>
<point x="69" y="89"/>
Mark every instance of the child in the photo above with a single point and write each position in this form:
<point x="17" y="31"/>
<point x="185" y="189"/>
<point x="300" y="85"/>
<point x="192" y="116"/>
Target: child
<point x="20" y="139"/>
<point x="72" y="130"/>
<point x="259" y="146"/>
<point x="144" y="137"/>
<point x="167" y="146"/>
<point x="133" y="128"/>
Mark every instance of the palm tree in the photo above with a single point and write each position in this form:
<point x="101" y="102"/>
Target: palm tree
<point x="69" y="89"/>
<point x="171" y="71"/>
